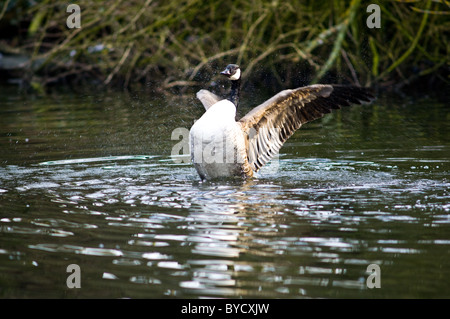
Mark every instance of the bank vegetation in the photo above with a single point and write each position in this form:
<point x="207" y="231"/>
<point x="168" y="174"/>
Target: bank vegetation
<point x="175" y="46"/>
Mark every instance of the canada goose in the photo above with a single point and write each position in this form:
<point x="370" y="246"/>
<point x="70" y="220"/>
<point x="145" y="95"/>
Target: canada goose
<point x="224" y="147"/>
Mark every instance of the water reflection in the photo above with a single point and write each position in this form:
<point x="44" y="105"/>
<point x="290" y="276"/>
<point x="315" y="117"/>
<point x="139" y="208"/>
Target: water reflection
<point x="141" y="225"/>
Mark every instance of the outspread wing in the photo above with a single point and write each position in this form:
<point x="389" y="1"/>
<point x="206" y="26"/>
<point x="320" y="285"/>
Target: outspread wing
<point x="208" y="98"/>
<point x="270" y="124"/>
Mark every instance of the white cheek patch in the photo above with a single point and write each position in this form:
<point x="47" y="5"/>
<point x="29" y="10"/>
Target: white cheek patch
<point x="236" y="76"/>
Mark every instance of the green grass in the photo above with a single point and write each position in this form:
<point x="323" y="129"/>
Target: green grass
<point x="176" y="45"/>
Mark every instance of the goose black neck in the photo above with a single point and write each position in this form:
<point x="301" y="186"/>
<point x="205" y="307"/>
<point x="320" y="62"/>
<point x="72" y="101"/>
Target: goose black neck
<point x="234" y="94"/>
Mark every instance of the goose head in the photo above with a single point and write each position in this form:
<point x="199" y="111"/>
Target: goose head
<point x="232" y="71"/>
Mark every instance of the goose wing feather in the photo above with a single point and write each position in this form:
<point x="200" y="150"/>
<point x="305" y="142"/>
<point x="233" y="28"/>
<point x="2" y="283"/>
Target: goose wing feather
<point x="208" y="98"/>
<point x="270" y="124"/>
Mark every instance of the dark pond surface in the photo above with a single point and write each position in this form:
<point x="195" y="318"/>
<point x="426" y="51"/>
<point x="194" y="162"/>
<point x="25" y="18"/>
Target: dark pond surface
<point x="89" y="179"/>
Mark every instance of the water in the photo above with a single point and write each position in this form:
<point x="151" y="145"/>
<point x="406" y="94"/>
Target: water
<point x="88" y="179"/>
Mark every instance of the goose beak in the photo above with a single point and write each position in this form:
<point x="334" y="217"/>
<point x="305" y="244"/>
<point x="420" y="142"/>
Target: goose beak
<point x="226" y="72"/>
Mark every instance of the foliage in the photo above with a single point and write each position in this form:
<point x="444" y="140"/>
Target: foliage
<point x="182" y="44"/>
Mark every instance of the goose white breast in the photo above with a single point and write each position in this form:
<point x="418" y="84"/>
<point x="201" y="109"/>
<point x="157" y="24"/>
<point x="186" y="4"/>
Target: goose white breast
<point x="217" y="142"/>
